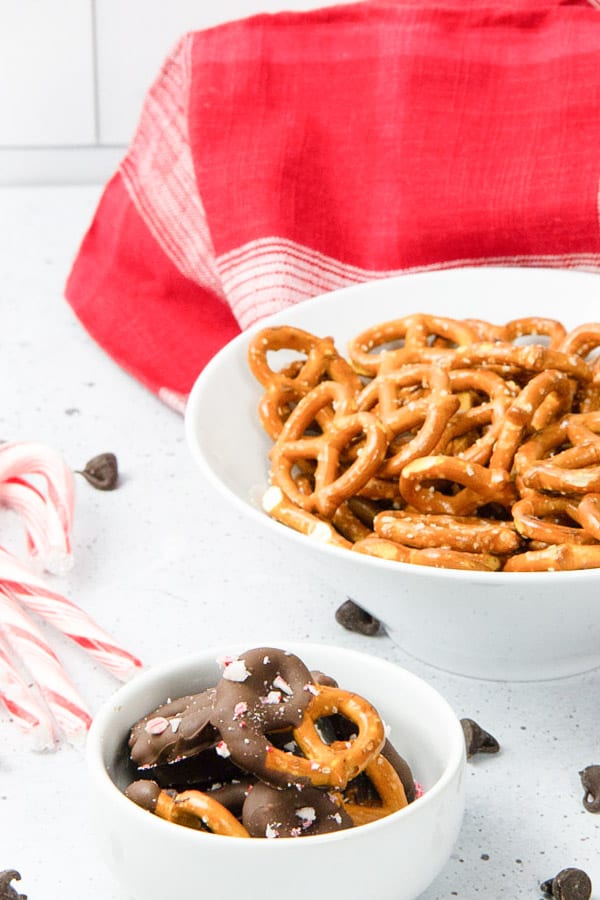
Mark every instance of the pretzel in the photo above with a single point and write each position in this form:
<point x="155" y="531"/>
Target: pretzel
<point x="430" y="556"/>
<point x="556" y="557"/>
<point x="429" y="415"/>
<point x="467" y="533"/>
<point x="574" y="471"/>
<point x="389" y="787"/>
<point x="535" y="325"/>
<point x="535" y="517"/>
<point x="520" y="415"/>
<point x="480" y="486"/>
<point x="193" y="809"/>
<point x="335" y="764"/>
<point x="587" y="513"/>
<point x="276" y="504"/>
<point x="496" y="427"/>
<point x="413" y="330"/>
<point x="332" y="486"/>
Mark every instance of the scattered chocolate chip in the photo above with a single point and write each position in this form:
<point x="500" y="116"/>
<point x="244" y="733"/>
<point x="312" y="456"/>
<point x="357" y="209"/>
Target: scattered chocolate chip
<point x="477" y="740"/>
<point x="7" y="891"/>
<point x="569" y="884"/>
<point x="353" y="618"/>
<point x="102" y="472"/>
<point x="590" y="779"/>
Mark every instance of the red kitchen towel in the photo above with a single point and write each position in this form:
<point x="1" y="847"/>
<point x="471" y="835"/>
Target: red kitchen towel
<point x="285" y="155"/>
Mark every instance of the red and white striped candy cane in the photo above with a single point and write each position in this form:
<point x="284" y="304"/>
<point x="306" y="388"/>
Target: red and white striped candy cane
<point x="32" y="591"/>
<point x="47" y="539"/>
<point x="23" y="705"/>
<point x="39" y="659"/>
<point x="22" y="459"/>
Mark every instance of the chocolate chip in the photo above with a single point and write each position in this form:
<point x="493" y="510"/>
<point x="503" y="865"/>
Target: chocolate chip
<point x="353" y="618"/>
<point x="590" y="779"/>
<point x="477" y="740"/>
<point x="7" y="891"/>
<point x="569" y="884"/>
<point x="102" y="472"/>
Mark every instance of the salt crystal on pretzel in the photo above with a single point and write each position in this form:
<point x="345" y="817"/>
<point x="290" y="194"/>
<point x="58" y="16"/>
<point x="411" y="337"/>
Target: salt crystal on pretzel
<point x="31" y="590"/>
<point x="38" y="658"/>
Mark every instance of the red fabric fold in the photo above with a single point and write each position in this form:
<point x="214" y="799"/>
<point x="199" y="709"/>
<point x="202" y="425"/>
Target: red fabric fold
<point x="285" y="155"/>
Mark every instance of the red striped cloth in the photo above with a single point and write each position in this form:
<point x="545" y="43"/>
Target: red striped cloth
<point x="282" y="156"/>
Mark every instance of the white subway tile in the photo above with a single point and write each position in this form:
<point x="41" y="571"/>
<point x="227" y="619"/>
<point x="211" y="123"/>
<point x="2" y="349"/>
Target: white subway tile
<point x="46" y="73"/>
<point x="135" y="36"/>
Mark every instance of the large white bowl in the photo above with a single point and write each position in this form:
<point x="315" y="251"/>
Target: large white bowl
<point x="490" y="625"/>
<point x="395" y="858"/>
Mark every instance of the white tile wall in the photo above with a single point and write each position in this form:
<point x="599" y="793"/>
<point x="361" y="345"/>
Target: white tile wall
<point x="73" y="75"/>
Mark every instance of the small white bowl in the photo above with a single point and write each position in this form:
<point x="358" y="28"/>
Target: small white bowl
<point x="396" y="857"/>
<point x="496" y="625"/>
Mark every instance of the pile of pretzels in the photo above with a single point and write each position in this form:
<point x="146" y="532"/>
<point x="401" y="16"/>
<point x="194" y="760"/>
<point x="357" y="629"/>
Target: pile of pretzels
<point x="273" y="750"/>
<point x="439" y="442"/>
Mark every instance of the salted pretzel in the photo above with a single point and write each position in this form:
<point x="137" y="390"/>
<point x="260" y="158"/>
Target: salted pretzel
<point x="530" y="326"/>
<point x="337" y="763"/>
<point x="389" y="788"/>
<point x="419" y="423"/>
<point x="536" y="517"/>
<point x="587" y="513"/>
<point x="284" y="388"/>
<point x="193" y="809"/>
<point x="276" y="504"/>
<point x="556" y="557"/>
<point x="520" y="415"/>
<point x="480" y="486"/>
<point x="528" y="357"/>
<point x="415" y="331"/>
<point x="582" y="340"/>
<point x="332" y="483"/>
<point x="573" y="471"/>
<point x="435" y="557"/>
<point x="470" y="534"/>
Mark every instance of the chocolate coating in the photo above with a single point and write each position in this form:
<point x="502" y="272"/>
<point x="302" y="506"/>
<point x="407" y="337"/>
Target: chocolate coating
<point x="176" y="730"/>
<point x="267" y="693"/>
<point x="292" y="812"/>
<point x="144" y="792"/>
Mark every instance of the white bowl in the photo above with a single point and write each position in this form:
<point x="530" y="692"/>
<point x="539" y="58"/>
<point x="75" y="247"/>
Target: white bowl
<point x="491" y="625"/>
<point x="396" y="857"/>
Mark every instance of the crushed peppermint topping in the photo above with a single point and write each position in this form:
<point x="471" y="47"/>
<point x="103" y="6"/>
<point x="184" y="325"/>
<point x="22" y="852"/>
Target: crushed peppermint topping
<point x="419" y="790"/>
<point x="311" y="689"/>
<point x="308" y="815"/>
<point x="295" y="832"/>
<point x="271" y="832"/>
<point x="175" y="723"/>
<point x="282" y="684"/>
<point x="239" y="709"/>
<point x="266" y="660"/>
<point x="236" y="671"/>
<point x="156" y="725"/>
<point x="271" y="699"/>
<point x="224" y="661"/>
<point x="223" y="750"/>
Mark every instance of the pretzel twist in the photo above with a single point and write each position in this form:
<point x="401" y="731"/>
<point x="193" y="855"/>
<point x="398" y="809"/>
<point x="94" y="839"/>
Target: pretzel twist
<point x="335" y="764"/>
<point x="470" y="534"/>
<point x="480" y="486"/>
<point x="332" y="484"/>
<point x="389" y="787"/>
<point x="193" y="809"/>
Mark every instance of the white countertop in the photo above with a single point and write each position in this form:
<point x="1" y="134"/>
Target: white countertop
<point x="166" y="567"/>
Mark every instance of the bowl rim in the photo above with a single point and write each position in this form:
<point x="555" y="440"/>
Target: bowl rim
<point x="455" y="762"/>
<point x="231" y="349"/>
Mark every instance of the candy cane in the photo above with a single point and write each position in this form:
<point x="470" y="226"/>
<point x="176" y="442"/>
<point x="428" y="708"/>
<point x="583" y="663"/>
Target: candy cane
<point x="23" y="705"/>
<point x="18" y="460"/>
<point x="47" y="539"/>
<point x="42" y="663"/>
<point x="31" y="591"/>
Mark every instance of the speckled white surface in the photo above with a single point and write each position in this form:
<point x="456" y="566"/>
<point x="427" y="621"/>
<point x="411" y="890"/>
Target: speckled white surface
<point x="165" y="567"/>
